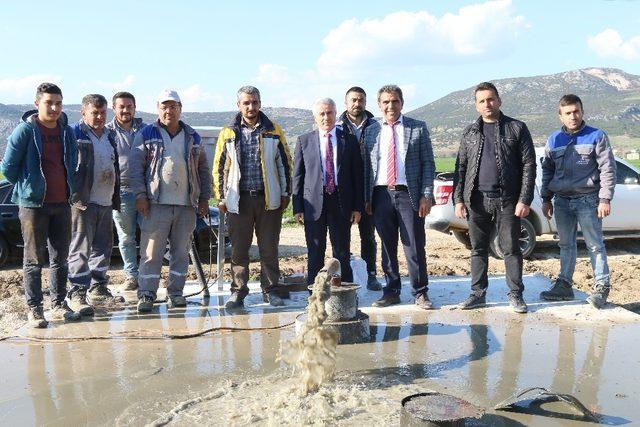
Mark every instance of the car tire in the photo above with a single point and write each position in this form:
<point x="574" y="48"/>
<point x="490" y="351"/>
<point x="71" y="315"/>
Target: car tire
<point x="4" y="251"/>
<point x="527" y="240"/>
<point x="462" y="237"/>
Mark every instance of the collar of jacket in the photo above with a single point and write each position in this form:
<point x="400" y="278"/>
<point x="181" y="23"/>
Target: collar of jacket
<point x="477" y="125"/>
<point x="135" y="126"/>
<point x="85" y="129"/>
<point x="267" y="125"/>
<point x="31" y="115"/>
<point x="582" y="126"/>
<point x="187" y="129"/>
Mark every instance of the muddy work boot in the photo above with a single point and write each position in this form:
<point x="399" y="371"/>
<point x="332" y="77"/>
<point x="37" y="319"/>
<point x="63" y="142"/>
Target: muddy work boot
<point x="177" y="301"/>
<point x="35" y="317"/>
<point x="473" y="301"/>
<point x="101" y="295"/>
<point x="235" y="301"/>
<point x="560" y="291"/>
<point x="423" y="301"/>
<point x="77" y="299"/>
<point x="517" y="303"/>
<point x="599" y="297"/>
<point x="62" y="311"/>
<point x="130" y="284"/>
<point x="145" y="304"/>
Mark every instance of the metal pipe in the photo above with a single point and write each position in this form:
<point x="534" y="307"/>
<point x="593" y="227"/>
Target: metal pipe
<point x="221" y="250"/>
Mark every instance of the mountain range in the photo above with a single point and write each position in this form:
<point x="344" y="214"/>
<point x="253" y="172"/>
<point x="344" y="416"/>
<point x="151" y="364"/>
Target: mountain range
<point x="611" y="101"/>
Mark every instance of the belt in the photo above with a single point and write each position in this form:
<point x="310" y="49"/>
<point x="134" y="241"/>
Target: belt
<point x="394" y="187"/>
<point x="252" y="193"/>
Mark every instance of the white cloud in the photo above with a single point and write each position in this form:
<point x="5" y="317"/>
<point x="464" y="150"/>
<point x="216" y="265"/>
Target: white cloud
<point x="484" y="30"/>
<point x="22" y="90"/>
<point x="194" y="98"/>
<point x="380" y="50"/>
<point x="609" y="44"/>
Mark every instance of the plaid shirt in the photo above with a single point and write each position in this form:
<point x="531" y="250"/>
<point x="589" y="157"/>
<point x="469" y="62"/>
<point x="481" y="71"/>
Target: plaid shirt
<point x="250" y="167"/>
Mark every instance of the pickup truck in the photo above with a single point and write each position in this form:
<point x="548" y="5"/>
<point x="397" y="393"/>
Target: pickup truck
<point x="622" y="223"/>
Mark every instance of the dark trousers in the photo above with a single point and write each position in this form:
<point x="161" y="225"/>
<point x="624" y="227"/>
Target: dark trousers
<point x="340" y="234"/>
<point x="368" y="246"/>
<point x="91" y="245"/>
<point x="251" y="216"/>
<point x="392" y="212"/>
<point x="485" y="213"/>
<point x="48" y="227"/>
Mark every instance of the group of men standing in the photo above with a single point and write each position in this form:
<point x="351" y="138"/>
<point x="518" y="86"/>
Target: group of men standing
<point x="73" y="182"/>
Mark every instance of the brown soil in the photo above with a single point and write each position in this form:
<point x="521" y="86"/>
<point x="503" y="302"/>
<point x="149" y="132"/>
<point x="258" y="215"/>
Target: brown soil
<point x="445" y="257"/>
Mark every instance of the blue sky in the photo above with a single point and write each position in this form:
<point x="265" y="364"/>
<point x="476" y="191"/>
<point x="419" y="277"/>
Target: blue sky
<point x="297" y="51"/>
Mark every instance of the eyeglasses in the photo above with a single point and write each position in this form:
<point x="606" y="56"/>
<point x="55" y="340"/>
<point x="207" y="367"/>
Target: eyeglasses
<point x="169" y="107"/>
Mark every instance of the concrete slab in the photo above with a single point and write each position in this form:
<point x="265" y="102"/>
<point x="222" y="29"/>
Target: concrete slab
<point x="484" y="356"/>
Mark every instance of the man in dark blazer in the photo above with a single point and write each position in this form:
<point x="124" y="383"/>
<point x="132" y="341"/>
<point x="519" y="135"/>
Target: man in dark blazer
<point x="327" y="189"/>
<point x="399" y="170"/>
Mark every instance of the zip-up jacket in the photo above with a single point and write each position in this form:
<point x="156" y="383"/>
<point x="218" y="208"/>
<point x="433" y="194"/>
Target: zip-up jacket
<point x="83" y="179"/>
<point x="578" y="163"/>
<point x="146" y="163"/>
<point x="275" y="159"/>
<point x="515" y="159"/>
<point x="22" y="161"/>
<point x="124" y="150"/>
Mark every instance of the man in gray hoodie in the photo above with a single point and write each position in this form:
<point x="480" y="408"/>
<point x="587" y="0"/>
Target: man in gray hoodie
<point x="579" y="174"/>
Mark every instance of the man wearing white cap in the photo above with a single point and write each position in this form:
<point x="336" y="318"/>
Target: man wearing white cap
<point x="171" y="179"/>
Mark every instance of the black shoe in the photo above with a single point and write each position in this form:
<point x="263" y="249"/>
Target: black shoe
<point x="373" y="284"/>
<point x="145" y="304"/>
<point x="35" y="317"/>
<point x="78" y="302"/>
<point x="387" y="300"/>
<point x="424" y="302"/>
<point x="274" y="299"/>
<point x="517" y="303"/>
<point x="177" y="301"/>
<point x="234" y="301"/>
<point x="473" y="301"/>
<point x="599" y="297"/>
<point x="560" y="291"/>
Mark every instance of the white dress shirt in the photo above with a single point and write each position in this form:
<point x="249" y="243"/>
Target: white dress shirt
<point x="383" y="152"/>
<point x="323" y="153"/>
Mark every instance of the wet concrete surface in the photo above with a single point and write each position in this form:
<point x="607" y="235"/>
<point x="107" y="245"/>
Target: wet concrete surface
<point x="484" y="356"/>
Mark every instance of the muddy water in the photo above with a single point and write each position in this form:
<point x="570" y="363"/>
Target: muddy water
<point x="484" y="356"/>
<point x="313" y="351"/>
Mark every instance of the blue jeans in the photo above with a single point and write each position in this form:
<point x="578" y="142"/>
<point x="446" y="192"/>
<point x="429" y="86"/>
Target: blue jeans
<point x="126" y="221"/>
<point x="569" y="212"/>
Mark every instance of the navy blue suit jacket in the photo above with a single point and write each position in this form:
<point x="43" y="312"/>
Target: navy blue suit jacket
<point x="308" y="185"/>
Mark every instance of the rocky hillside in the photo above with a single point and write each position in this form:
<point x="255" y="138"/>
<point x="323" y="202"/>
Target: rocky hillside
<point x="611" y="98"/>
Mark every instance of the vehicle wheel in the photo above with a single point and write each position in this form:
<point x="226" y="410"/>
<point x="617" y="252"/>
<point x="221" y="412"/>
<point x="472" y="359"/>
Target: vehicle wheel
<point x="4" y="251"/>
<point x="462" y="237"/>
<point x="527" y="240"/>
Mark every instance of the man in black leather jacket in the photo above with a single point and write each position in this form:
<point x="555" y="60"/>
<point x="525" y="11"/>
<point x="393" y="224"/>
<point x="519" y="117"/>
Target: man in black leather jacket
<point x="493" y="187"/>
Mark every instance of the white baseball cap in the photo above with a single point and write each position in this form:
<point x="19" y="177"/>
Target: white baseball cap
<point x="168" y="95"/>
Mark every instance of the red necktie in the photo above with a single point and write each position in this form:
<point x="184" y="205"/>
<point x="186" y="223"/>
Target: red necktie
<point x="330" y="186"/>
<point x="391" y="157"/>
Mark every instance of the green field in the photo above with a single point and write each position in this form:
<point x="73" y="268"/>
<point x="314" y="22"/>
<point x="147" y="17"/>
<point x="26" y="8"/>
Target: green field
<point x="445" y="164"/>
<point x="635" y="163"/>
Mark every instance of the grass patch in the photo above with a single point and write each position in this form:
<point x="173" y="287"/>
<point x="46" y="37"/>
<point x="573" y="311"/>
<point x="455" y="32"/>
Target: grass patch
<point x="635" y="163"/>
<point x="445" y="164"/>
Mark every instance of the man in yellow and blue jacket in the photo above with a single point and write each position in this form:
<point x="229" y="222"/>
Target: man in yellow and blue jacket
<point x="252" y="182"/>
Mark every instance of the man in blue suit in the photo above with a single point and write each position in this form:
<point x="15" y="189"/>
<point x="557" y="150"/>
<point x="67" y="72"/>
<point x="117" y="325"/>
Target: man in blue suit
<point x="327" y="189"/>
<point x="399" y="170"/>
